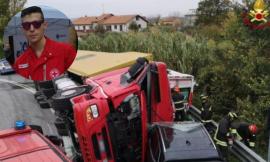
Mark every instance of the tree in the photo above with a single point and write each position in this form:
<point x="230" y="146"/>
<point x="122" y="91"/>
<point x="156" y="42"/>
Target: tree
<point x="212" y="11"/>
<point x="4" y="15"/>
<point x="100" y="29"/>
<point x="133" y="26"/>
<point x="8" y="8"/>
<point x="15" y="6"/>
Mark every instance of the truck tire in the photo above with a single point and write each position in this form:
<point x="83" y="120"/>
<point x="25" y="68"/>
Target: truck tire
<point x="61" y="100"/>
<point x="44" y="105"/>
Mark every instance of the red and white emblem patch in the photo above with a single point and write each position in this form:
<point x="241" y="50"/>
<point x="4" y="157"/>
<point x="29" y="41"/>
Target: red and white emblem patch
<point x="54" y="73"/>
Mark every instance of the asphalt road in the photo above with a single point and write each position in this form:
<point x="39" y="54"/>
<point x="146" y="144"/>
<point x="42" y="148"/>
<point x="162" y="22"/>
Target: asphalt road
<point x="17" y="103"/>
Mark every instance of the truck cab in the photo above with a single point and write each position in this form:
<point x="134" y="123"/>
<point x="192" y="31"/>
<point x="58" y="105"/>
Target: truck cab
<point x="112" y="119"/>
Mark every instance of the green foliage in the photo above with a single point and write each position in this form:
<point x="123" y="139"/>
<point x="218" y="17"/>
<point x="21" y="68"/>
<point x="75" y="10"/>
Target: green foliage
<point x="238" y="77"/>
<point x="133" y="26"/>
<point x="15" y="6"/>
<point x="176" y="49"/>
<point x="212" y="11"/>
<point x="99" y="29"/>
<point x="4" y="15"/>
<point x="8" y="8"/>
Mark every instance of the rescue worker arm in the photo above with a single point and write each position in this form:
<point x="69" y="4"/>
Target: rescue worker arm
<point x="21" y="68"/>
<point x="69" y="56"/>
<point x="225" y="130"/>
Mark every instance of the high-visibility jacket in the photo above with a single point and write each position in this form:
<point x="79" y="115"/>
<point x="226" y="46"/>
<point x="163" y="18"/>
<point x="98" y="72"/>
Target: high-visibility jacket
<point x="223" y="132"/>
<point x="54" y="60"/>
<point x="243" y="133"/>
<point x="206" y="112"/>
<point x="178" y="100"/>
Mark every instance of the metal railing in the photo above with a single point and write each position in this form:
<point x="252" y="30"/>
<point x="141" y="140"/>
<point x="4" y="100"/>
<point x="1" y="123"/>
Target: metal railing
<point x="240" y="150"/>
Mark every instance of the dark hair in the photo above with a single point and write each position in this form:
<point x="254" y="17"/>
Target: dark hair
<point x="32" y="9"/>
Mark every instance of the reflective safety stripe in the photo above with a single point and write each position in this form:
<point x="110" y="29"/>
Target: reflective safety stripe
<point x="178" y="102"/>
<point x="252" y="144"/>
<point x="180" y="108"/>
<point x="219" y="142"/>
<point x="233" y="131"/>
<point x="238" y="137"/>
<point x="207" y="121"/>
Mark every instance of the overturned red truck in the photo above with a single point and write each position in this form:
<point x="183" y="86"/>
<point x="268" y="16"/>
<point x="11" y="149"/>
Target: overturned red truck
<point x="119" y="115"/>
<point x="126" y="115"/>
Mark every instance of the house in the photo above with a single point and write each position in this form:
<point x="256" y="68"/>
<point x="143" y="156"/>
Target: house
<point x="171" y="21"/>
<point x="190" y="18"/>
<point x="109" y="22"/>
<point x="121" y="23"/>
<point x="87" y="24"/>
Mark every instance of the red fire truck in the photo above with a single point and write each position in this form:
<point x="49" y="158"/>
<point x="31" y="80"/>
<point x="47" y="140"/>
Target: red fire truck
<point x="23" y="144"/>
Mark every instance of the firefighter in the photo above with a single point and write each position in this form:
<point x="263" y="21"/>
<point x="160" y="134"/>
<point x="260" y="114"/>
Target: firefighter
<point x="206" y="111"/>
<point x="178" y="100"/>
<point x="224" y="134"/>
<point x="246" y="133"/>
<point x="44" y="59"/>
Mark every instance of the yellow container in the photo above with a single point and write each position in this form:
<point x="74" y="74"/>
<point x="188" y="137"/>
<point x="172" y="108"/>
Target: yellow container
<point x="91" y="63"/>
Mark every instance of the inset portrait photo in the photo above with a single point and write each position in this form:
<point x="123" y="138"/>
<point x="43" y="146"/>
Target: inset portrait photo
<point x="40" y="43"/>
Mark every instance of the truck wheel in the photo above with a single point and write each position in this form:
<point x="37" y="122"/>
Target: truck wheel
<point x="61" y="100"/>
<point x="44" y="104"/>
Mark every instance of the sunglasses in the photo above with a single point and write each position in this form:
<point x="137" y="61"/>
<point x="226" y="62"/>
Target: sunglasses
<point x="36" y="24"/>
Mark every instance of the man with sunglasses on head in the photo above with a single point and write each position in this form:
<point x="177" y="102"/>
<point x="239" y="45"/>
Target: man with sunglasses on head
<point x="44" y="59"/>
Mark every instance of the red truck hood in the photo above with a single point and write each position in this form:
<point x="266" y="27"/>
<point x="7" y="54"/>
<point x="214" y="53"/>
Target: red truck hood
<point x="27" y="146"/>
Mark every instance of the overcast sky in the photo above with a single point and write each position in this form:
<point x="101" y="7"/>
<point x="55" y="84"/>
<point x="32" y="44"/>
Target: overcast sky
<point x="77" y="8"/>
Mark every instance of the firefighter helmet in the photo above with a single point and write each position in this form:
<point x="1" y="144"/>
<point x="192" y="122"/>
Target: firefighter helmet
<point x="253" y="128"/>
